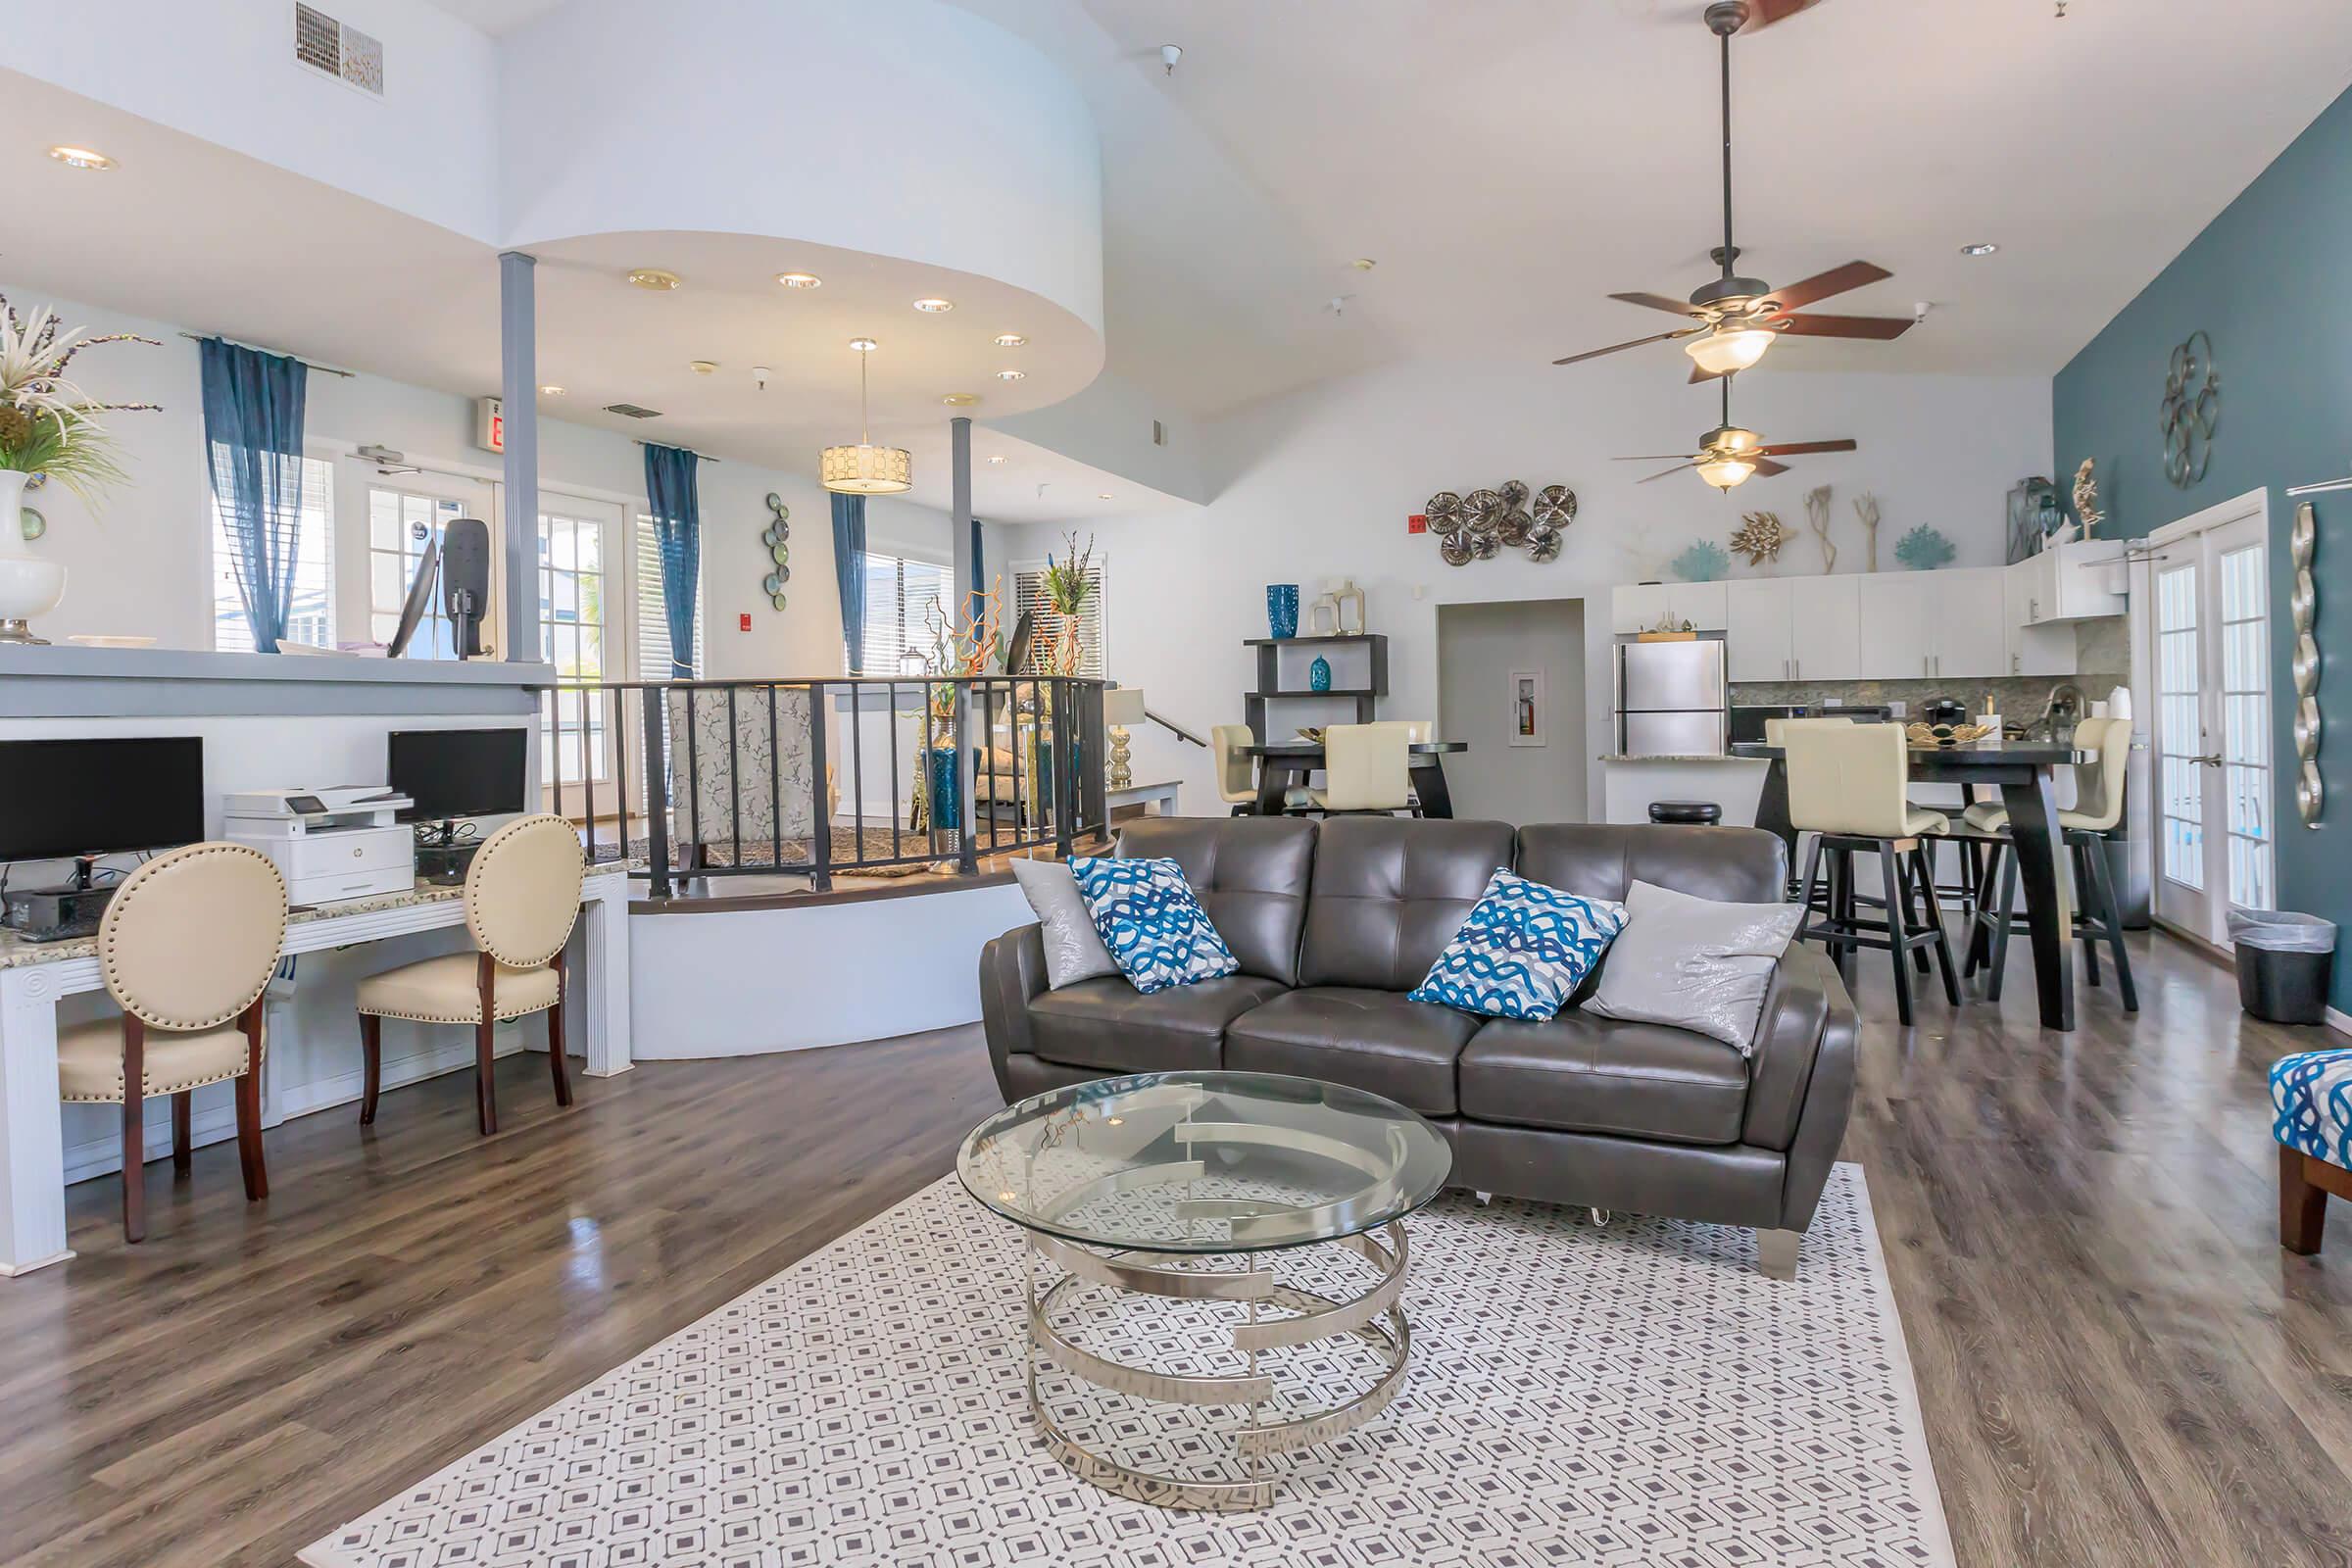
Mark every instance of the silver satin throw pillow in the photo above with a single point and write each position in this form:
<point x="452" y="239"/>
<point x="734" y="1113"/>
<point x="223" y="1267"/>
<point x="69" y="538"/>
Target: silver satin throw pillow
<point x="1074" y="949"/>
<point x="1694" y="964"/>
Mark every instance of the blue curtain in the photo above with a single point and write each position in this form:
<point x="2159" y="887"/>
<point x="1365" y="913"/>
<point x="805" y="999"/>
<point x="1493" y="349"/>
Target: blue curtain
<point x="252" y="410"/>
<point x="979" y="582"/>
<point x="669" y="473"/>
<point x="849" y="566"/>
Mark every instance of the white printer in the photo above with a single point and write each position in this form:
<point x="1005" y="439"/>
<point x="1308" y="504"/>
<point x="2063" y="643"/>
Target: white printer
<point x="343" y="841"/>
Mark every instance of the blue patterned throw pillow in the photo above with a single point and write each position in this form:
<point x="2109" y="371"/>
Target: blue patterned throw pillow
<point x="1156" y="931"/>
<point x="1522" y="951"/>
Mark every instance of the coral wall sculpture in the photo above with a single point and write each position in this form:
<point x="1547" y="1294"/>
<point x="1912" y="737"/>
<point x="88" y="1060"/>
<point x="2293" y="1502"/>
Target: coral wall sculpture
<point x="1702" y="561"/>
<point x="1759" y="537"/>
<point x="1866" y="508"/>
<point x="1924" y="549"/>
<point x="1817" y="518"/>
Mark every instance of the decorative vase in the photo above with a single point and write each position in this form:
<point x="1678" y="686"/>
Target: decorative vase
<point x="1351" y="599"/>
<point x="1282" y="609"/>
<point x="1318" y="674"/>
<point x="1323" y="617"/>
<point x="29" y="583"/>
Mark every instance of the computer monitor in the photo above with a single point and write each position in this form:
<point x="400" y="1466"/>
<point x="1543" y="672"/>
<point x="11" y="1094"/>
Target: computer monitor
<point x="458" y="772"/>
<point x="87" y="798"/>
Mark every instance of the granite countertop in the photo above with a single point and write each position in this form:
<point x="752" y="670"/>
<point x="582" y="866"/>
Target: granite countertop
<point x="15" y="951"/>
<point x="1694" y="757"/>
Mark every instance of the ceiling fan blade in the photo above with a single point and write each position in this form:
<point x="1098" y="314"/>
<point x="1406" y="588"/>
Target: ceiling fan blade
<point x="1676" y="469"/>
<point x="1657" y="457"/>
<point x="1763" y="14"/>
<point x="1821" y="286"/>
<point x="1656" y="302"/>
<point x="1766" y="467"/>
<point x="1594" y="354"/>
<point x="1879" y="327"/>
<point x="1789" y="449"/>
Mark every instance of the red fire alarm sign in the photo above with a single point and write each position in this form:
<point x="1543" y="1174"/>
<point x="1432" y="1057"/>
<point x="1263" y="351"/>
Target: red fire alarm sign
<point x="742" y="622"/>
<point x="1418" y="522"/>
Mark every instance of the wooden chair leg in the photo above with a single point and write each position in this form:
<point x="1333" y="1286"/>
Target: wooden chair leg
<point x="1988" y="881"/>
<point x="1891" y="873"/>
<point x="183" y="1132"/>
<point x="2111" y="916"/>
<point x="485" y="1078"/>
<point x="2000" y="928"/>
<point x="134" y="1130"/>
<point x="2084" y="905"/>
<point x="1942" y="943"/>
<point x="371" y="1065"/>
<point x="556" y="1063"/>
<point x="249" y="1111"/>
<point x="1812" y="879"/>
<point x="2302" y="1206"/>
<point x="1917" y="873"/>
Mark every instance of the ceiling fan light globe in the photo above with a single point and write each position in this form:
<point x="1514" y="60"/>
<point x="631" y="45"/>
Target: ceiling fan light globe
<point x="1723" y="473"/>
<point x="1729" y="348"/>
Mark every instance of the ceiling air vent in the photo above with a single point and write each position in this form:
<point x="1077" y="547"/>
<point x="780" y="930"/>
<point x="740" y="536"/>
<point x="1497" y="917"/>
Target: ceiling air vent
<point x="630" y="410"/>
<point x="333" y="49"/>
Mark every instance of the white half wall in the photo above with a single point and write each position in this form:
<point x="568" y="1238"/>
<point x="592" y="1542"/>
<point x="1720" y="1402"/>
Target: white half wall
<point x="1319" y="485"/>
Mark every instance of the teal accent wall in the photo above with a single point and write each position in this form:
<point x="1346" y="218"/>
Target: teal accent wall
<point x="2267" y="281"/>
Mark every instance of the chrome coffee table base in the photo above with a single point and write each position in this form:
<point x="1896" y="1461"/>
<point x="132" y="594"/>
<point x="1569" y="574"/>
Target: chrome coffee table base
<point x="1313" y="1318"/>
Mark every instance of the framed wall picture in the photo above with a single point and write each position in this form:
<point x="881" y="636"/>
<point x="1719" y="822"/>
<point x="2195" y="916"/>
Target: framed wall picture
<point x="1531" y="720"/>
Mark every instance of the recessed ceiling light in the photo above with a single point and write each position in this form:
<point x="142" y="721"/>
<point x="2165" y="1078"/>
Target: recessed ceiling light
<point x="1011" y="340"/>
<point x="551" y="391"/>
<point x="81" y="158"/>
<point x="654" y="278"/>
<point x="1102" y="495"/>
<point x="996" y="458"/>
<point x="704" y="366"/>
<point x="864" y="345"/>
<point x="1980" y="248"/>
<point x="800" y="281"/>
<point x="935" y="307"/>
<point x="1012" y="376"/>
<point x="960" y="399"/>
<point x="1363" y="264"/>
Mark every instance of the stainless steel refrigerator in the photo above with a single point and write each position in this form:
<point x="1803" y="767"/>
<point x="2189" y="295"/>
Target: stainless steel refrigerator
<point x="1673" y="699"/>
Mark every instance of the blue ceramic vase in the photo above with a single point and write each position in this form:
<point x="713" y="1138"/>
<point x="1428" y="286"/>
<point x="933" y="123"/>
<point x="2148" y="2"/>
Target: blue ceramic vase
<point x="1282" y="609"/>
<point x="1318" y="674"/>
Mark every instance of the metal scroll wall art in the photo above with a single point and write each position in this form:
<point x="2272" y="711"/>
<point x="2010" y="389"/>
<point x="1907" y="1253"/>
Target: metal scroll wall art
<point x="1482" y="524"/>
<point x="2191" y="411"/>
<point x="2304" y="604"/>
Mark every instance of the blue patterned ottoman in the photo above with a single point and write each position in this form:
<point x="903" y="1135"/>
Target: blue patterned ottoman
<point x="2310" y="1100"/>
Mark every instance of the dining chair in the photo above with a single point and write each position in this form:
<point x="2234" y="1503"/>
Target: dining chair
<point x="1237" y="770"/>
<point x="522" y="898"/>
<point x="2097" y="811"/>
<point x="1847" y="784"/>
<point x="1367" y="769"/>
<point x="186" y="946"/>
<point x="1772" y="801"/>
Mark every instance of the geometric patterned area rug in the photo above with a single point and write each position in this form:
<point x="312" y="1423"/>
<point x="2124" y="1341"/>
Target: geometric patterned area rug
<point x="1634" y="1394"/>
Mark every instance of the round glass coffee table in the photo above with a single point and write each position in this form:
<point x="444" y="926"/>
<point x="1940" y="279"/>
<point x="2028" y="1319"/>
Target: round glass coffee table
<point x="1193" y="1186"/>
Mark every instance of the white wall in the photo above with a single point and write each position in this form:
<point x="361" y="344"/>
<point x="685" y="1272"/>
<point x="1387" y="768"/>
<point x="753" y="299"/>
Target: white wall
<point x="143" y="565"/>
<point x="1321" y="484"/>
<point x="1479" y="646"/>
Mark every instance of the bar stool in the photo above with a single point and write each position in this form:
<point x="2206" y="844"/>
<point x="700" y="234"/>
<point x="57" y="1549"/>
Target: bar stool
<point x="1846" y="784"/>
<point x="522" y="898"/>
<point x="1688" y="813"/>
<point x="1366" y="769"/>
<point x="2098" y="809"/>
<point x="186" y="945"/>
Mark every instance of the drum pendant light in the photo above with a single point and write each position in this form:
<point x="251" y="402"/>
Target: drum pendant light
<point x="867" y="469"/>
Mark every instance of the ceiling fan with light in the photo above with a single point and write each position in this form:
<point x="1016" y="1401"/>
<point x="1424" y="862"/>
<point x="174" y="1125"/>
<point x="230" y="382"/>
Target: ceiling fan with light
<point x="1736" y="319"/>
<point x="1728" y="455"/>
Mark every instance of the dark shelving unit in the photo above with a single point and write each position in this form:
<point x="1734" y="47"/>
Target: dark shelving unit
<point x="1271" y="690"/>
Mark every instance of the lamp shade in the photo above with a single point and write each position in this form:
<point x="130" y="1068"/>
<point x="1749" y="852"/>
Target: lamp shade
<point x="1723" y="472"/>
<point x="1729" y="348"/>
<point x="867" y="470"/>
<point x="1123" y="705"/>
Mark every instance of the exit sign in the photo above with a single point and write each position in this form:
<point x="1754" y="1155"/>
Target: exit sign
<point x="490" y="425"/>
<point x="1417" y="522"/>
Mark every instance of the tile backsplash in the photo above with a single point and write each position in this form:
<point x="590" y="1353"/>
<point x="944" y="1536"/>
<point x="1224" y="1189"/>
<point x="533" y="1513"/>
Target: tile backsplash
<point x="2021" y="699"/>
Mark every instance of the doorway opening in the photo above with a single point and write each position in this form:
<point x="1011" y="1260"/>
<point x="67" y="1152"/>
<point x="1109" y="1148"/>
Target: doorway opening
<point x="1511" y="683"/>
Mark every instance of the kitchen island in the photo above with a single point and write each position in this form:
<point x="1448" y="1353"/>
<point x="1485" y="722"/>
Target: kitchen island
<point x="1628" y="784"/>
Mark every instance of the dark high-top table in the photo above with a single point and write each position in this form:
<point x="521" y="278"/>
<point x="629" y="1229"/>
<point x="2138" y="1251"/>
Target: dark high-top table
<point x="2021" y="771"/>
<point x="1282" y="765"/>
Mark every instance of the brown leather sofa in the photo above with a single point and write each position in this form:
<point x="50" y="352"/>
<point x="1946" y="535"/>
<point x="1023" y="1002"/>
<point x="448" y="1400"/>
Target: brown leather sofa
<point x="1335" y="922"/>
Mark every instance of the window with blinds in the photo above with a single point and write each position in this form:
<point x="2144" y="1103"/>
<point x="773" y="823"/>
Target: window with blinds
<point x="312" y="618"/>
<point x="653" y="619"/>
<point x="905" y="601"/>
<point x="1029" y="594"/>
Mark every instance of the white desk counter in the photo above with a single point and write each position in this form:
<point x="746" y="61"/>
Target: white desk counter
<point x="35" y="977"/>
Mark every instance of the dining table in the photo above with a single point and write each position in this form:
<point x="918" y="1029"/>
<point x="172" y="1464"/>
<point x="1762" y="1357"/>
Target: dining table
<point x="2024" y="772"/>
<point x="1284" y="766"/>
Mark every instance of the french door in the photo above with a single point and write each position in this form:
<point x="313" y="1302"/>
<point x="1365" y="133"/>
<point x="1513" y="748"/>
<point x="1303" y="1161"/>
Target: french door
<point x="2214" y="846"/>
<point x="579" y="598"/>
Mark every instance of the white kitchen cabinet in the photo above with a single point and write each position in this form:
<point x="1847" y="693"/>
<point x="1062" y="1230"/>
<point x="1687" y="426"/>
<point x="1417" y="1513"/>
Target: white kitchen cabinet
<point x="2076" y="581"/>
<point x="1637" y="607"/>
<point x="2047" y="649"/>
<point x="1758" y="628"/>
<point x="1641" y="606"/>
<point x="1825" y="630"/>
<point x="1970" y="640"/>
<point x="1896" y="615"/>
<point x="1704" y="605"/>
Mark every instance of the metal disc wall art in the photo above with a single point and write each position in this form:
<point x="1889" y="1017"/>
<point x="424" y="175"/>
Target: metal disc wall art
<point x="778" y="536"/>
<point x="2191" y="411"/>
<point x="2304" y="605"/>
<point x="1482" y="524"/>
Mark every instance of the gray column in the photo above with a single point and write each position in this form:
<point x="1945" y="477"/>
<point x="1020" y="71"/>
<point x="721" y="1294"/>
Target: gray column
<point x="519" y="390"/>
<point x="959" y="502"/>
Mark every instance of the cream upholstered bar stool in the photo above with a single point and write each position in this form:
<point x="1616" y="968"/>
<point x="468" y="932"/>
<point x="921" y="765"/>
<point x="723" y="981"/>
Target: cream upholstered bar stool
<point x="1237" y="773"/>
<point x="1846" y="784"/>
<point x="186" y="946"/>
<point x="1417" y="732"/>
<point x="1367" y="769"/>
<point x="522" y="898"/>
<point x="2097" y="810"/>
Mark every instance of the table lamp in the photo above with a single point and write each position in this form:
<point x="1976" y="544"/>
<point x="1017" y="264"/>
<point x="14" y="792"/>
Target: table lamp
<point x="1122" y="705"/>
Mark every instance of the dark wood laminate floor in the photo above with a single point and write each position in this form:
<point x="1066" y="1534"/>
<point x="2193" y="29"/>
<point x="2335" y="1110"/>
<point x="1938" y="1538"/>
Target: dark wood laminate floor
<point x="2118" y="1364"/>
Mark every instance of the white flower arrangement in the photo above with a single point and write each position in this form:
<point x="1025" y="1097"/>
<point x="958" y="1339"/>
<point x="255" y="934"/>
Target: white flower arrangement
<point x="48" y="424"/>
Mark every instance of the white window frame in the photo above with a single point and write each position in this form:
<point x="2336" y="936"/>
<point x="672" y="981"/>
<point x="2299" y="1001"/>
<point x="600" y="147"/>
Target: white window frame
<point x="356" y="478"/>
<point x="1020" y="569"/>
<point x="885" y="551"/>
<point x="216" y="540"/>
